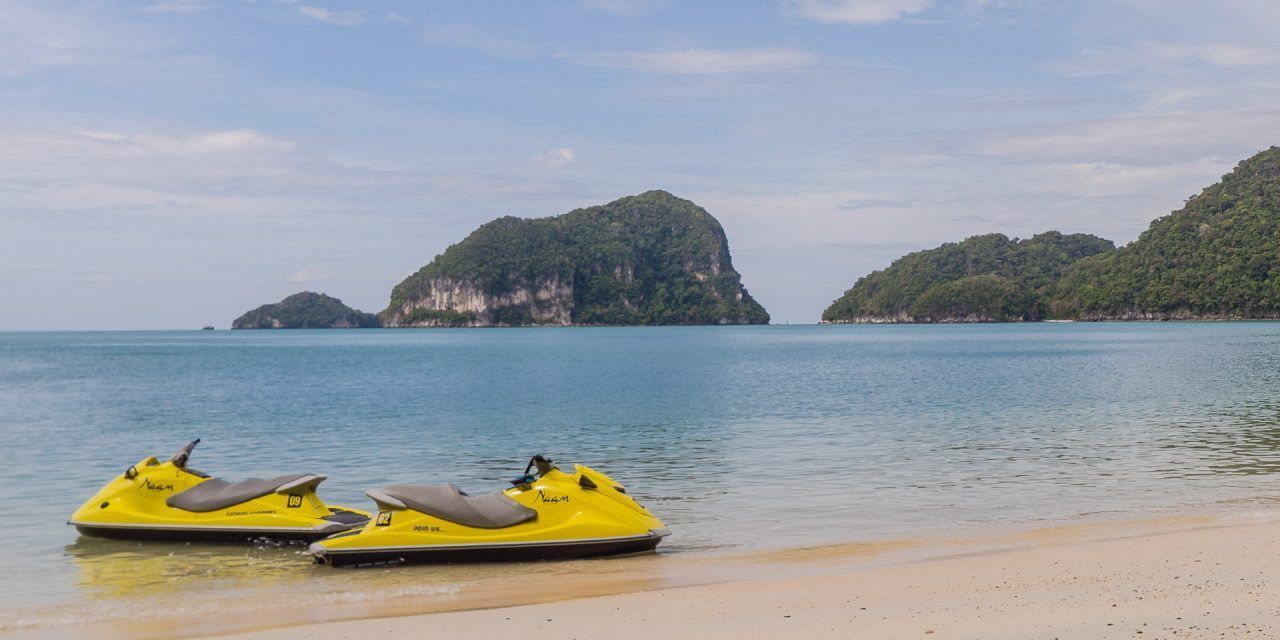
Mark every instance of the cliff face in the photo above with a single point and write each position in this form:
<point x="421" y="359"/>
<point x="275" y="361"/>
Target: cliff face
<point x="305" y="310"/>
<point x="987" y="278"/>
<point x="646" y="259"/>
<point x="464" y="303"/>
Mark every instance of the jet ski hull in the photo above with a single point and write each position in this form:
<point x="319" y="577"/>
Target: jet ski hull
<point x="477" y="553"/>
<point x="178" y="533"/>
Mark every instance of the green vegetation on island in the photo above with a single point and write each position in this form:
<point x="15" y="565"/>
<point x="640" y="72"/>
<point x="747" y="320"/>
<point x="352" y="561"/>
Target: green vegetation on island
<point x="1216" y="258"/>
<point x="650" y="259"/>
<point x="987" y="278"/>
<point x="306" y="310"/>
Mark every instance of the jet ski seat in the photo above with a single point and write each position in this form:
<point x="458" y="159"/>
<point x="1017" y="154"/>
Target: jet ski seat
<point x="448" y="502"/>
<point x="214" y="494"/>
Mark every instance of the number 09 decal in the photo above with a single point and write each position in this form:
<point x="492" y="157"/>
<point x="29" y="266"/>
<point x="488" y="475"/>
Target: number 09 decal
<point x="295" y="501"/>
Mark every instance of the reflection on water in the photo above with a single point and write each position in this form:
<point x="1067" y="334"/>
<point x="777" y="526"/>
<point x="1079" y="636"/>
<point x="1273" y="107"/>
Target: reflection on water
<point x="131" y="587"/>
<point x="743" y="439"/>
<point x="114" y="568"/>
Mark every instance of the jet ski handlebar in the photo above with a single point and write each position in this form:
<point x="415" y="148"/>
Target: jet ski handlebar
<point x="180" y="458"/>
<point x="544" y="465"/>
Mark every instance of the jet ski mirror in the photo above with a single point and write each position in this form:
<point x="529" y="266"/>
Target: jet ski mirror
<point x="180" y="458"/>
<point x="543" y="463"/>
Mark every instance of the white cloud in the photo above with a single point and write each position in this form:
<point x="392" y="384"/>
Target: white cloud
<point x="304" y="275"/>
<point x="854" y="11"/>
<point x="556" y="158"/>
<point x="339" y="18"/>
<point x="696" y="61"/>
<point x="395" y="17"/>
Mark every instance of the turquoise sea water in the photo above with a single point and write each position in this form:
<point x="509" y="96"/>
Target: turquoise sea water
<point x="740" y="438"/>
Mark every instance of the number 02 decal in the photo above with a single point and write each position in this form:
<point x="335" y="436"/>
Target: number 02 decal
<point x="384" y="519"/>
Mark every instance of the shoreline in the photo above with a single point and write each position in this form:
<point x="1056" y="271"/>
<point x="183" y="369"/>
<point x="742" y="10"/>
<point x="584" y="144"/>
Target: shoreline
<point x="1184" y="577"/>
<point x="943" y="583"/>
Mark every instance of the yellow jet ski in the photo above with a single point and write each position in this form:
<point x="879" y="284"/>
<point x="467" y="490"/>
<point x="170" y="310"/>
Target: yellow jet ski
<point x="156" y="500"/>
<point x="554" y="515"/>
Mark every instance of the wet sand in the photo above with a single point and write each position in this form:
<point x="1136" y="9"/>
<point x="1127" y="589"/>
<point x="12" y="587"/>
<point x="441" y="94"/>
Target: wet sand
<point x="1195" y="577"/>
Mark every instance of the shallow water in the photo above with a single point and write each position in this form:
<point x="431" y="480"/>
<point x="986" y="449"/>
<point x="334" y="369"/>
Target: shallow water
<point x="740" y="438"/>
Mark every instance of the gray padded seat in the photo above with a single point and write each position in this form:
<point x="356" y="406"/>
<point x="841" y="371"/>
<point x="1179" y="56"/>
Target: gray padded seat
<point x="214" y="494"/>
<point x="448" y="502"/>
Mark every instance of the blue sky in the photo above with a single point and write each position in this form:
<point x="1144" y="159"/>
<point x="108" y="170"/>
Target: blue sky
<point x="171" y="164"/>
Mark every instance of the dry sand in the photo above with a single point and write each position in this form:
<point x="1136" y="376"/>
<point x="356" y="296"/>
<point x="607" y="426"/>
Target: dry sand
<point x="1185" y="578"/>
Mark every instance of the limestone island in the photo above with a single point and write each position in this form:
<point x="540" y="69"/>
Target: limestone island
<point x="650" y="259"/>
<point x="305" y="310"/>
<point x="1217" y="258"/>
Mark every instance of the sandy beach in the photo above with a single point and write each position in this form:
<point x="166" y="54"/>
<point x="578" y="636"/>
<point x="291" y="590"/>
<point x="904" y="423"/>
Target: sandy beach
<point x="1175" y="578"/>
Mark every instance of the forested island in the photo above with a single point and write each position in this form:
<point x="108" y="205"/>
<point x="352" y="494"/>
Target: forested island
<point x="1216" y="258"/>
<point x="986" y="278"/>
<point x="649" y="259"/>
<point x="306" y="310"/>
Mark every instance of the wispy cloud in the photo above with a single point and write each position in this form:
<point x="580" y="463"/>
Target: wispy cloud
<point x="36" y="36"/>
<point x="469" y="37"/>
<point x="860" y="204"/>
<point x="303" y="275"/>
<point x="1162" y="58"/>
<point x="392" y="16"/>
<point x="339" y="18"/>
<point x="235" y="140"/>
<point x="97" y="170"/>
<point x="854" y="11"/>
<point x="1141" y="137"/>
<point x="695" y="61"/>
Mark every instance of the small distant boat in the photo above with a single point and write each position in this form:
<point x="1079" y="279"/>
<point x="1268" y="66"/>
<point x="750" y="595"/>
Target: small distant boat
<point x="207" y="327"/>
